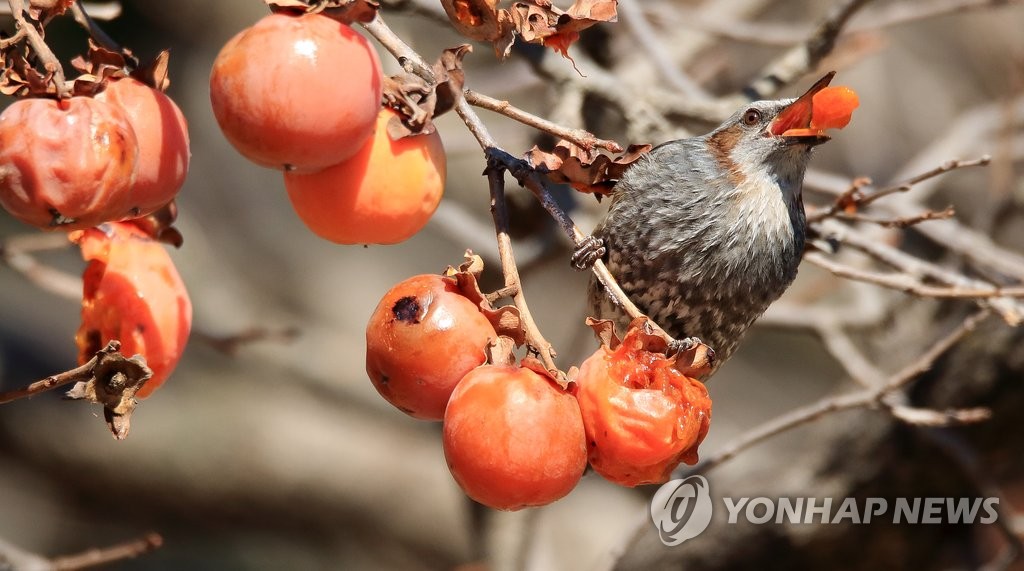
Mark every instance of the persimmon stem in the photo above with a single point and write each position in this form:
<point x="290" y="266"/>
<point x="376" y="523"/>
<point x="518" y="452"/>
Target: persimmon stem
<point x="81" y="373"/>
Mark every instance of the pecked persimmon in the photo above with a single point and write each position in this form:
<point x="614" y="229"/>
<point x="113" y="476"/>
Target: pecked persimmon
<point x="513" y="438"/>
<point x="67" y="164"/>
<point x="296" y="91"/>
<point x="382" y="195"/>
<point x="421" y="340"/>
<point x="162" y="134"/>
<point x="832" y="107"/>
<point x="133" y="293"/>
<point x="642" y="416"/>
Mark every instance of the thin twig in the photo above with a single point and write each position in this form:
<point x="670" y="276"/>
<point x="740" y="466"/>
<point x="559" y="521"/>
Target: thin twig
<point x="899" y="221"/>
<point x="84" y="19"/>
<point x="81" y="373"/>
<point x="499" y="211"/>
<point x="803" y="58"/>
<point x="907" y="283"/>
<point x="42" y="51"/>
<point x="579" y="137"/>
<point x="859" y="193"/>
<point x="104" y="555"/>
<point x="1010" y="309"/>
<point x="859" y="399"/>
<point x="16" y="253"/>
<point x="645" y="34"/>
<point x="410" y="61"/>
<point x="901" y="13"/>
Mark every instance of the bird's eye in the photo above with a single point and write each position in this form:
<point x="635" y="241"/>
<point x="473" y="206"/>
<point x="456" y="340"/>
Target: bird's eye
<point x="751" y="117"/>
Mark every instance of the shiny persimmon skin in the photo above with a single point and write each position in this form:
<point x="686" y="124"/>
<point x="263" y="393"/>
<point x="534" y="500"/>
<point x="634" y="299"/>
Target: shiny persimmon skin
<point x="421" y="340"/>
<point x="385" y="194"/>
<point x="296" y="92"/>
<point x="66" y="164"/>
<point x="513" y="438"/>
<point x="642" y="416"/>
<point x="132" y="293"/>
<point x="832" y="107"/>
<point x="162" y="134"/>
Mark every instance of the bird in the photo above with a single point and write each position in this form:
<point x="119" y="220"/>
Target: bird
<point x="704" y="233"/>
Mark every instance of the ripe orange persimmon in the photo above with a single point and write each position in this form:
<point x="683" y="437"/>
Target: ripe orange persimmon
<point x="382" y="195"/>
<point x="132" y="293"/>
<point x="296" y="92"/>
<point x="513" y="438"/>
<point x="162" y="134"/>
<point x="66" y="164"/>
<point x="421" y="340"/>
<point x="832" y="107"/>
<point x="642" y="416"/>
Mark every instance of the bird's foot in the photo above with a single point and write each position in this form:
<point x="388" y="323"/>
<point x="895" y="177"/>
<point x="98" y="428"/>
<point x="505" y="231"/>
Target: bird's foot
<point x="587" y="253"/>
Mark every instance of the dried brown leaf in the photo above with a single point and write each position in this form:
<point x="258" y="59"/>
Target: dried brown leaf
<point x="505" y="319"/>
<point x="114" y="382"/>
<point x="154" y="73"/>
<point x="417" y="104"/>
<point x="588" y="171"/>
<point x="345" y="11"/>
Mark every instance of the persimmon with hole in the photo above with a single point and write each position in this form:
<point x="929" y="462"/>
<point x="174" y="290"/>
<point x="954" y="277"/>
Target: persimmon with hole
<point x="421" y="340"/>
<point x="132" y="293"/>
<point x="642" y="416"/>
<point x="296" y="91"/>
<point x="385" y="194"/>
<point x="513" y="438"/>
<point x="162" y="134"/>
<point x="66" y="164"/>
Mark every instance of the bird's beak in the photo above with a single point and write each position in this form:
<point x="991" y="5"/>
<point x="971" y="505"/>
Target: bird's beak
<point x="793" y="123"/>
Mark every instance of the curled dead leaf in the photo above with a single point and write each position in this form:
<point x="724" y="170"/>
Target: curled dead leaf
<point x="535" y="21"/>
<point x="113" y="383"/>
<point x="418" y="102"/>
<point x="505" y="319"/>
<point x="588" y="171"/>
<point x="345" y="11"/>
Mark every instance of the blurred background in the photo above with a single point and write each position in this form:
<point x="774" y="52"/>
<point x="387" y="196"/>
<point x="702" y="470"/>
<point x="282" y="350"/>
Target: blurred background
<point x="282" y="456"/>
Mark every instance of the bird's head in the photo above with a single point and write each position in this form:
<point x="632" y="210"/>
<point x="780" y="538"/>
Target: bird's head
<point x="768" y="138"/>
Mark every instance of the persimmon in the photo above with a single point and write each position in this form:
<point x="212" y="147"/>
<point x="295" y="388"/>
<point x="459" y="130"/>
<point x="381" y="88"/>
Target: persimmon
<point x="67" y="164"/>
<point x="162" y="134"/>
<point x="513" y="438"/>
<point x="642" y="416"/>
<point x="421" y="340"/>
<point x="383" y="195"/>
<point x="133" y="293"/>
<point x="832" y="107"/>
<point x="296" y="91"/>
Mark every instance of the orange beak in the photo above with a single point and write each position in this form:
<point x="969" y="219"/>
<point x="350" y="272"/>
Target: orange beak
<point x="797" y="115"/>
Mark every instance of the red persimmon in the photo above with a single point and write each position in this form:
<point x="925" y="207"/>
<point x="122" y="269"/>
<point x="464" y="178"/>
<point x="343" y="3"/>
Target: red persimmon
<point x="642" y="416"/>
<point x="132" y="293"/>
<point x="162" y="134"/>
<point x="513" y="438"/>
<point x="67" y="164"/>
<point x="296" y="92"/>
<point x="383" y="195"/>
<point x="421" y="340"/>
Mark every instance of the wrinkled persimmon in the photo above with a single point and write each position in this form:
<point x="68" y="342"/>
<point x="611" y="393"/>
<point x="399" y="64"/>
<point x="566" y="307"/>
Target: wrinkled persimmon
<point x="67" y="164"/>
<point x="383" y="195"/>
<point x="162" y="134"/>
<point x="513" y="438"/>
<point x="421" y="340"/>
<point x="132" y="293"/>
<point x="642" y="416"/>
<point x="296" y="91"/>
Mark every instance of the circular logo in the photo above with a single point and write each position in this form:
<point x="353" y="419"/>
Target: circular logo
<point x="681" y="509"/>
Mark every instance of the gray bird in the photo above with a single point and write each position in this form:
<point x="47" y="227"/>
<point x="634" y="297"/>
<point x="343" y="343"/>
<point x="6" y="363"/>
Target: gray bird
<point x="704" y="233"/>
